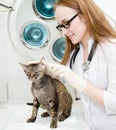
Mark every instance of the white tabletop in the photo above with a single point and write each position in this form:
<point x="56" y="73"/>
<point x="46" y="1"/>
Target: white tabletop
<point x="13" y="117"/>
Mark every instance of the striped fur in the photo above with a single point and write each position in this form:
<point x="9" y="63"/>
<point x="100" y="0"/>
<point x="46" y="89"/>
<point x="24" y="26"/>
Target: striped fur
<point x="49" y="94"/>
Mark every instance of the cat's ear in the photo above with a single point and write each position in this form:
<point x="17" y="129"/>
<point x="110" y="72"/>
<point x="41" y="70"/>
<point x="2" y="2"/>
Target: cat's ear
<point x="43" y="58"/>
<point x="23" y="65"/>
<point x="42" y="66"/>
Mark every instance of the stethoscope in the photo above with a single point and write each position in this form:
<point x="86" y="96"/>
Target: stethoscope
<point x="86" y="64"/>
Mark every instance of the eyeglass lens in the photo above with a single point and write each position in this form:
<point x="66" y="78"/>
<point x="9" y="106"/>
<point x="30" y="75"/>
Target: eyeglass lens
<point x="66" y="24"/>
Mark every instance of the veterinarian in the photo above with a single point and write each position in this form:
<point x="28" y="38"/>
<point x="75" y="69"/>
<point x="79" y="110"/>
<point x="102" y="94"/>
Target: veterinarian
<point x="89" y="62"/>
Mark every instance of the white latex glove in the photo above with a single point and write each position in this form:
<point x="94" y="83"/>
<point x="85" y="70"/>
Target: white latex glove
<point x="61" y="71"/>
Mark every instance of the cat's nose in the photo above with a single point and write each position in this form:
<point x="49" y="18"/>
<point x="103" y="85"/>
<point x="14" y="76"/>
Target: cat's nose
<point x="31" y="78"/>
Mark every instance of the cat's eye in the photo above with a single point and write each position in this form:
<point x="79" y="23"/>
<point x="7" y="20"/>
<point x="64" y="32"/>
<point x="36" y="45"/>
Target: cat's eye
<point x="27" y="73"/>
<point x="36" y="73"/>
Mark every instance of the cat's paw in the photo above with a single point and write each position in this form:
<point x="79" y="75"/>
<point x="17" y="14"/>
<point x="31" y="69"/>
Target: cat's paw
<point x="45" y="114"/>
<point x="61" y="118"/>
<point x="30" y="120"/>
<point x="53" y="125"/>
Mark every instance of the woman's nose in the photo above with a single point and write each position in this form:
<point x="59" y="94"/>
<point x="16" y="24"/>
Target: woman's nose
<point x="65" y="31"/>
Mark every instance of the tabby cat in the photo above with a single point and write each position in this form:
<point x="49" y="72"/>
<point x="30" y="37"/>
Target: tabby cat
<point x="48" y="93"/>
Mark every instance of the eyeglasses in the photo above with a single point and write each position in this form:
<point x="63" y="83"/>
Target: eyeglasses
<point x="66" y="24"/>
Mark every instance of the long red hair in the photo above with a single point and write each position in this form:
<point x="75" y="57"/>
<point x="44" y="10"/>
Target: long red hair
<point x="97" y="23"/>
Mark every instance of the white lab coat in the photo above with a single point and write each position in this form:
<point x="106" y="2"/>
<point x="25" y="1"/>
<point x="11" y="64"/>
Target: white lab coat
<point x="102" y="73"/>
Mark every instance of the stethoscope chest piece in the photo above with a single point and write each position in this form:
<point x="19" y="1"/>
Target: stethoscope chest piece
<point x="85" y="65"/>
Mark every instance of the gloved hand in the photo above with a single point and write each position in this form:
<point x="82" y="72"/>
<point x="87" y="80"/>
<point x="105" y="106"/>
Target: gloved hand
<point x="61" y="71"/>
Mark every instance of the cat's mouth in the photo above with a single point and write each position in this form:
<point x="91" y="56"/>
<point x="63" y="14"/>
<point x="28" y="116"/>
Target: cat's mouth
<point x="31" y="79"/>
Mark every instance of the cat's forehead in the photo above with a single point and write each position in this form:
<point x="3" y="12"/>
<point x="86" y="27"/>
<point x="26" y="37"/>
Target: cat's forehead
<point x="34" y="66"/>
<point x="31" y="67"/>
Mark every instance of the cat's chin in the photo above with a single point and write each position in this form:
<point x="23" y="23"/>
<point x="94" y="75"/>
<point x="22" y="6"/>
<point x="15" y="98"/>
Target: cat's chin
<point x="31" y="80"/>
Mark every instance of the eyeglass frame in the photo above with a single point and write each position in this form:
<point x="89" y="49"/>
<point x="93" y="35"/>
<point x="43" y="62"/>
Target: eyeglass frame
<point x="66" y="24"/>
